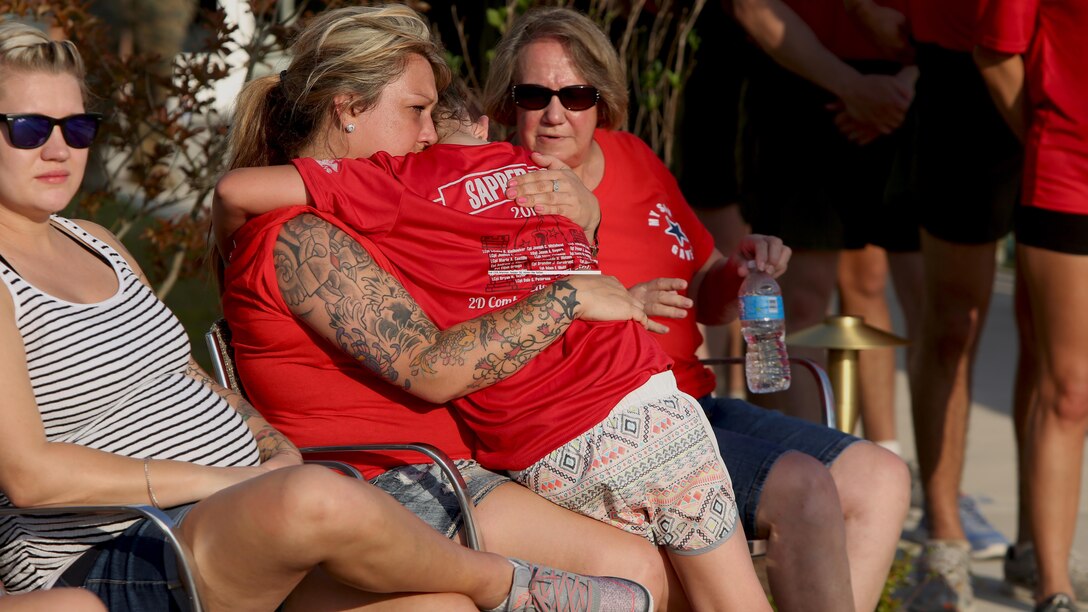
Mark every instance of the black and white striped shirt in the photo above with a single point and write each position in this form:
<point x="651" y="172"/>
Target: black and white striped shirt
<point x="110" y="376"/>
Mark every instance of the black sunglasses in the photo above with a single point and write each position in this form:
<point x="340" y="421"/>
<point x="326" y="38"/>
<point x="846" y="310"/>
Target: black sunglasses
<point x="572" y="97"/>
<point x="31" y="131"/>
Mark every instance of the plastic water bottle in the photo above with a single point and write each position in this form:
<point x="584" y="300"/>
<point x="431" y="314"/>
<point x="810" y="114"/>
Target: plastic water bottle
<point x="767" y="365"/>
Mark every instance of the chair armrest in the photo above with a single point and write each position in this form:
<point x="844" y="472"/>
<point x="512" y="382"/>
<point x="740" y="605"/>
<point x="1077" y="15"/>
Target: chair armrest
<point x="449" y="470"/>
<point x="340" y="466"/>
<point x="823" y="383"/>
<point x="154" y="515"/>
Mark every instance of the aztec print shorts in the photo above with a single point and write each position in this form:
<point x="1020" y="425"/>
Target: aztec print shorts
<point x="651" y="468"/>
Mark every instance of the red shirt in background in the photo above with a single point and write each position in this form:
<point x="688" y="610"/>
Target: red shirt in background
<point x="1053" y="36"/>
<point x="952" y="24"/>
<point x="468" y="251"/>
<point x="303" y="385"/>
<point x="648" y="231"/>
<point x="838" y="31"/>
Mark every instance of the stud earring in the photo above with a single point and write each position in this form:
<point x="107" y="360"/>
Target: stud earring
<point x="349" y="128"/>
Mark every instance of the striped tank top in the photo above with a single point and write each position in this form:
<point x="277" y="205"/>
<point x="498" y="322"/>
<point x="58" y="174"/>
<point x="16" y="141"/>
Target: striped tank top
<point x="110" y="376"/>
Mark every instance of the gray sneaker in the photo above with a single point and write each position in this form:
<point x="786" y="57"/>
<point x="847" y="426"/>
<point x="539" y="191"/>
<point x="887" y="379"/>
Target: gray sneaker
<point x="942" y="579"/>
<point x="537" y="589"/>
<point x="1058" y="602"/>
<point x="1021" y="574"/>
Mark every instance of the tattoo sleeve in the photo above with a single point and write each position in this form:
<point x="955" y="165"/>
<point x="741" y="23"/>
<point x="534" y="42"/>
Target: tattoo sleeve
<point x="330" y="281"/>
<point x="270" y="441"/>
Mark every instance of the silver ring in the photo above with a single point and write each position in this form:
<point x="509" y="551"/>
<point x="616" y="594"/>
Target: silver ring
<point x="555" y="185"/>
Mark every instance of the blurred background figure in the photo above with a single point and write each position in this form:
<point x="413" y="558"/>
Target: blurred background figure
<point x="1029" y="54"/>
<point x="820" y="111"/>
<point x="959" y="168"/>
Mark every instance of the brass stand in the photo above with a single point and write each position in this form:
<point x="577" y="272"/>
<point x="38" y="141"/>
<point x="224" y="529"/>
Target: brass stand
<point x="843" y="336"/>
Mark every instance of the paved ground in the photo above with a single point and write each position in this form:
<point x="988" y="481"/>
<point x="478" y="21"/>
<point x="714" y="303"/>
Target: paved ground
<point x="990" y="473"/>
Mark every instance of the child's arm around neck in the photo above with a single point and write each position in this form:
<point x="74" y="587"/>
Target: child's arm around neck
<point x="244" y="193"/>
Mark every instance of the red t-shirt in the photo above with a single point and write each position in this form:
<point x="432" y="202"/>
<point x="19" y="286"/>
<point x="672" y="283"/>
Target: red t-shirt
<point x="952" y="24"/>
<point x="838" y="31"/>
<point x="648" y="231"/>
<point x="303" y="385"/>
<point x="1053" y="36"/>
<point x="458" y="265"/>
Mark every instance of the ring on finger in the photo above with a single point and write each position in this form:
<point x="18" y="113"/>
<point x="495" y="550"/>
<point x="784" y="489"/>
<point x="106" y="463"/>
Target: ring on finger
<point x="555" y="185"/>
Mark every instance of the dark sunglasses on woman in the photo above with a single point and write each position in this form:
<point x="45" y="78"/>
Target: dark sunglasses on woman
<point x="572" y="97"/>
<point x="31" y="131"/>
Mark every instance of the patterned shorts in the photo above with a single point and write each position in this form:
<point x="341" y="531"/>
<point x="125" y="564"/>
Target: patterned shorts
<point x="651" y="468"/>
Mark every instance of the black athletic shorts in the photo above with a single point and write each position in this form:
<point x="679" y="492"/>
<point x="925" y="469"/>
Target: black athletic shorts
<point x="802" y="180"/>
<point x="959" y="164"/>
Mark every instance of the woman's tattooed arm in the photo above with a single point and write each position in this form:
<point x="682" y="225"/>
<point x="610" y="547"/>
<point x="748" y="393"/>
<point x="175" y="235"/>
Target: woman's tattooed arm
<point x="270" y="441"/>
<point x="329" y="281"/>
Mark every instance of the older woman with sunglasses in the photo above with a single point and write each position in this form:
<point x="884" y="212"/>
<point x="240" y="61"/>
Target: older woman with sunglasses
<point x="558" y="79"/>
<point x="104" y="405"/>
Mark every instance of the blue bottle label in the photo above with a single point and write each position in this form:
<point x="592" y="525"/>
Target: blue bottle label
<point x="761" y="308"/>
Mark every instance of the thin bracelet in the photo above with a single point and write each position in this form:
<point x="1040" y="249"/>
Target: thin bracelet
<point x="147" y="478"/>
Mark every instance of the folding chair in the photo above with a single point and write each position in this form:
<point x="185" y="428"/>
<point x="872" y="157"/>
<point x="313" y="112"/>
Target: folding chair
<point x="218" y="339"/>
<point x="155" y="516"/>
<point x="758" y="548"/>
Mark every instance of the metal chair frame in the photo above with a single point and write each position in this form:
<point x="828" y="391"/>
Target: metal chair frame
<point x="823" y="383"/>
<point x="218" y="339"/>
<point x="758" y="547"/>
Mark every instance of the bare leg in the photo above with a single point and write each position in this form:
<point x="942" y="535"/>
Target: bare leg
<point x="1023" y="400"/>
<point x="874" y="490"/>
<point x="576" y="543"/>
<point x="863" y="280"/>
<point x="722" y="578"/>
<point x="511" y="516"/>
<point x="800" y="516"/>
<point x="256" y="541"/>
<point x="959" y="283"/>
<point x="319" y="592"/>
<point x="806" y="294"/>
<point x="1059" y="420"/>
<point x="907" y="277"/>
<point x="74" y="600"/>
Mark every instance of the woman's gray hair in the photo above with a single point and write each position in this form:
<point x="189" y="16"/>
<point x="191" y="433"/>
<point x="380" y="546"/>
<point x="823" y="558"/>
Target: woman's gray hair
<point x="591" y="51"/>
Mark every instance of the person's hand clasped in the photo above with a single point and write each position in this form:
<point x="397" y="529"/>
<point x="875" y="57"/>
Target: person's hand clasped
<point x="878" y="100"/>
<point x="768" y="252"/>
<point x="862" y="126"/>
<point x="556" y="190"/>
<point x="604" y="298"/>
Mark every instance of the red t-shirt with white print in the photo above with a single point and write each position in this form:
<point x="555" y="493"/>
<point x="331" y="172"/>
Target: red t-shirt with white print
<point x="464" y="250"/>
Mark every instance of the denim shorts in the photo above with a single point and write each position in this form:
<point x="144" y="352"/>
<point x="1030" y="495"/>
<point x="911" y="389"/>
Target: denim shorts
<point x="422" y="489"/>
<point x="136" y="571"/>
<point x="751" y="440"/>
